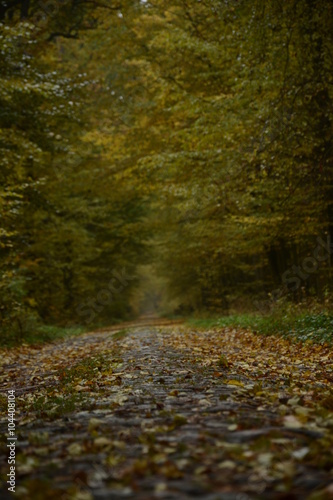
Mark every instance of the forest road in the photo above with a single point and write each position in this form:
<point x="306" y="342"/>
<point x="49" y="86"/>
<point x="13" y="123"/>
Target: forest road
<point x="158" y="412"/>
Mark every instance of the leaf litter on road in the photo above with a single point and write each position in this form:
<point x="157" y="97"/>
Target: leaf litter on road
<point x="172" y="413"/>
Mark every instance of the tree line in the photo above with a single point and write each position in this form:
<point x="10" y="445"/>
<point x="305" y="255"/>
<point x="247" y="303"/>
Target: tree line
<point x="184" y="145"/>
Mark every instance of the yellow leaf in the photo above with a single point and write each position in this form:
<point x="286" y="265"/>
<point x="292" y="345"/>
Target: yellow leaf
<point x="235" y="382"/>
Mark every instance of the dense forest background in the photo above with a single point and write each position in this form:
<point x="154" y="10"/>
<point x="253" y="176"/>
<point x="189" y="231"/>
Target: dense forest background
<point x="163" y="156"/>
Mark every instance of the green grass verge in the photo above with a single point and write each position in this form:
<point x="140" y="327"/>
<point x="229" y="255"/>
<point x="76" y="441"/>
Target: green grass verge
<point x="302" y="327"/>
<point x="120" y="334"/>
<point x="40" y="334"/>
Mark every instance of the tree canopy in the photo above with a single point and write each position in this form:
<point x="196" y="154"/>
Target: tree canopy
<point x="184" y="144"/>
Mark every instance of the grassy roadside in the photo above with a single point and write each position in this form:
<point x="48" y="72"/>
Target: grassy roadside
<point x="315" y="327"/>
<point x="40" y="335"/>
<point x="44" y="334"/>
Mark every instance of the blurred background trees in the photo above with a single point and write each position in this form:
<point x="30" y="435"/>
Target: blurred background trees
<point x="188" y="143"/>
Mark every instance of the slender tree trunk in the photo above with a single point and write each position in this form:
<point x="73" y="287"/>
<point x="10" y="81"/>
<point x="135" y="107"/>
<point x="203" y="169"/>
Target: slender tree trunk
<point x="25" y="5"/>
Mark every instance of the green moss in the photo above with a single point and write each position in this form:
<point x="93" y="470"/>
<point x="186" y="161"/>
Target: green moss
<point x="120" y="334"/>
